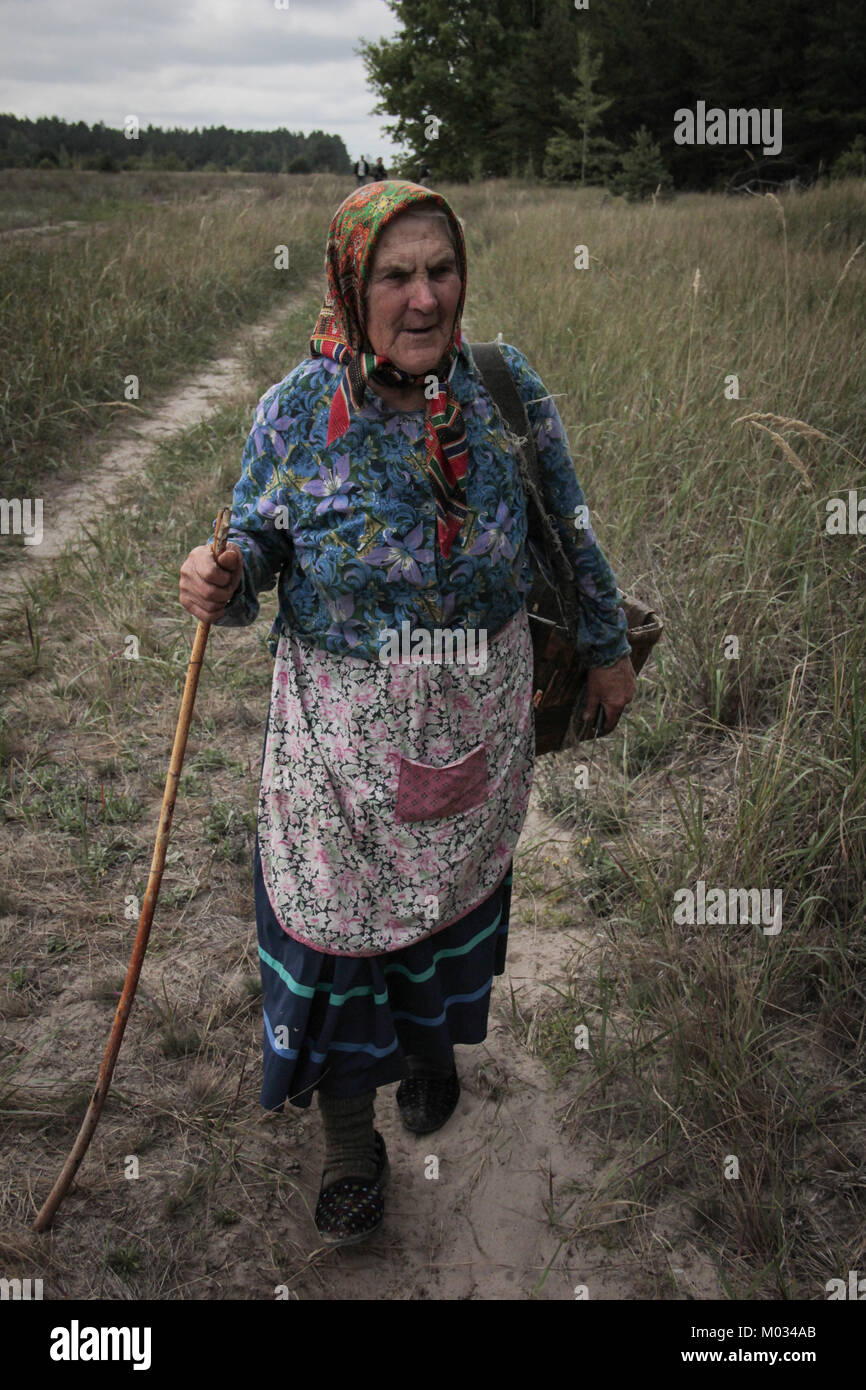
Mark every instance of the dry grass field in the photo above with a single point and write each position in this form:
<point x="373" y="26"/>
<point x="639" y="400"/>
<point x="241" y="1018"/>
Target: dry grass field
<point x="709" y="1141"/>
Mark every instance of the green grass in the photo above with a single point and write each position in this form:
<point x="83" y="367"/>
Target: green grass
<point x="37" y="197"/>
<point x="743" y="772"/>
<point x="704" y="1042"/>
<point x="156" y="289"/>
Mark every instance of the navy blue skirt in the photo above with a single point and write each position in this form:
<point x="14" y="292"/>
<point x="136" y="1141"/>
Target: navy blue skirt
<point x="345" y="1024"/>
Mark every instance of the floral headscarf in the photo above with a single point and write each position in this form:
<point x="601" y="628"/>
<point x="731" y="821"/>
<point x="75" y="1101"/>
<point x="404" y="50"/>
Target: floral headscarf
<point x="340" y="334"/>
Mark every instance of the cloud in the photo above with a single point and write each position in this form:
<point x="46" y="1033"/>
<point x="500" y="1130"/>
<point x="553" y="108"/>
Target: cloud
<point x="240" y="63"/>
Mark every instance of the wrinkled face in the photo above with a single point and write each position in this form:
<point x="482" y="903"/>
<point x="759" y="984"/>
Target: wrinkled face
<point x="413" y="293"/>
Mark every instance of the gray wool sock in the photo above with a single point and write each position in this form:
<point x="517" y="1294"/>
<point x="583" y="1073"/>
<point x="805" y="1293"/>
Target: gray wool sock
<point x="350" y="1149"/>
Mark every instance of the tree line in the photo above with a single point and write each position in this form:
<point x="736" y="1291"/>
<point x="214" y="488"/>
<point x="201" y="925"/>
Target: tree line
<point x="567" y="89"/>
<point x="49" y="142"/>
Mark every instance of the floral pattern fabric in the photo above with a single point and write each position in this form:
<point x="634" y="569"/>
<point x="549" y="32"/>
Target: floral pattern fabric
<point x="348" y="534"/>
<point x="392" y="794"/>
<point x="356" y="747"/>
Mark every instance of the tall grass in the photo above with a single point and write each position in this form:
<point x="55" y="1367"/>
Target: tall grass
<point x="744" y="772"/>
<point x="146" y="294"/>
<point x="706" y="1043"/>
<point x="38" y="197"/>
<point x="84" y="735"/>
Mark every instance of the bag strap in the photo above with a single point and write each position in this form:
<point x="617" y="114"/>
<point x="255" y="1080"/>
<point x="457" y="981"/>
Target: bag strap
<point x="502" y="388"/>
<point x="541" y="533"/>
<point x="496" y="375"/>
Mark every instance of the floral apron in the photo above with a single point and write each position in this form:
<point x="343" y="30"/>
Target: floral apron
<point x="392" y="795"/>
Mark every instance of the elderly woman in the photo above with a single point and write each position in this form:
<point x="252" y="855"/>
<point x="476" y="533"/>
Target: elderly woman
<point x="380" y="492"/>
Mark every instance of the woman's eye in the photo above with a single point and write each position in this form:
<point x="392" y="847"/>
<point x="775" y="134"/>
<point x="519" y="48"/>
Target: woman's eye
<point x="437" y="273"/>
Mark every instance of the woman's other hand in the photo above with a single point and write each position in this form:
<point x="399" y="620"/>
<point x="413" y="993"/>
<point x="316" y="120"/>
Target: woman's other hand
<point x="206" y="584"/>
<point x="610" y="686"/>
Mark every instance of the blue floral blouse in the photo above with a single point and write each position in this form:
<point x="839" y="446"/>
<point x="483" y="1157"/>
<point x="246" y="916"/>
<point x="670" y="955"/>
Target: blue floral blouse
<point x="348" y="533"/>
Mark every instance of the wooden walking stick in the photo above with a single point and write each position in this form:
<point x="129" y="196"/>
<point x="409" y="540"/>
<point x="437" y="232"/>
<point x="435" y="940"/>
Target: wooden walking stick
<point x="106" y="1071"/>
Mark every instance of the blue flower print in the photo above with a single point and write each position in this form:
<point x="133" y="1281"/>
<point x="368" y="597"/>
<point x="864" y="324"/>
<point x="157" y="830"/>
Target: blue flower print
<point x="267" y="507"/>
<point x="314" y="366"/>
<point x="403" y="556"/>
<point x="404" y="424"/>
<point x="304" y="527"/>
<point x="333" y="486"/>
<point x="550" y="429"/>
<point x="299" y="539"/>
<point x="267" y="425"/>
<point x="344" y="625"/>
<point x="494" y="541"/>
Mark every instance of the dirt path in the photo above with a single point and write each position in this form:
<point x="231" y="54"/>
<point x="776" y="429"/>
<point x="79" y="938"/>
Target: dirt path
<point x="481" y="1227"/>
<point x="70" y="227"/>
<point x="125" y="454"/>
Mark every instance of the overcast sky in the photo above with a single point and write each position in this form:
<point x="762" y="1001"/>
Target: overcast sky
<point x="240" y="63"/>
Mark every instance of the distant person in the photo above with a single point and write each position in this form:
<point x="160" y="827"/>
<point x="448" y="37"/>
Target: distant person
<point x="379" y="170"/>
<point x="423" y="173"/>
<point x="362" y="171"/>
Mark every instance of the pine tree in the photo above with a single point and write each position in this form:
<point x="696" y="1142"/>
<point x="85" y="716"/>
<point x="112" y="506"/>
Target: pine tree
<point x="585" y="110"/>
<point x="851" y="163"/>
<point x="642" y="171"/>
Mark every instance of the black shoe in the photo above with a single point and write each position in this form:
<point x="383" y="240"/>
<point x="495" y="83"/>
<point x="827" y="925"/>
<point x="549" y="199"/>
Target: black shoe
<point x="349" y="1209"/>
<point x="427" y="1102"/>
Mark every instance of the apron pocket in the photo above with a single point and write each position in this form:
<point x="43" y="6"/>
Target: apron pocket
<point x="432" y="793"/>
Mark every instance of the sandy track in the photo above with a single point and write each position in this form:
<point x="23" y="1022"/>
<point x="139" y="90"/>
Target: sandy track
<point x="67" y="228"/>
<point x="480" y="1230"/>
<point x="127" y="449"/>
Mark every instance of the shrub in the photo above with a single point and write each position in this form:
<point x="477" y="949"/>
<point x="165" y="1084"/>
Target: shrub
<point x="851" y="163"/>
<point x="642" y="170"/>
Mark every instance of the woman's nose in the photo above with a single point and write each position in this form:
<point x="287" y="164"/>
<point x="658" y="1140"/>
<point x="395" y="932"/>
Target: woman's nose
<point x="422" y="296"/>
